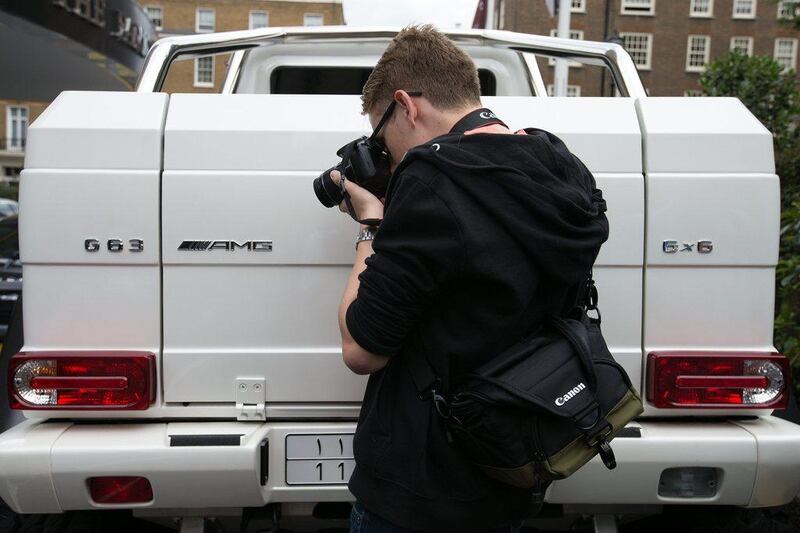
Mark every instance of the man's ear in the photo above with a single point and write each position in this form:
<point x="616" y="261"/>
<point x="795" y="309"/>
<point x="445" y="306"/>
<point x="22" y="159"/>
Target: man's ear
<point x="407" y="106"/>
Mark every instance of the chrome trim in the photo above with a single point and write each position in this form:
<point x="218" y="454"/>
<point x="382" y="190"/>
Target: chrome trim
<point x="164" y="51"/>
<point x="232" y="76"/>
<point x="538" y="87"/>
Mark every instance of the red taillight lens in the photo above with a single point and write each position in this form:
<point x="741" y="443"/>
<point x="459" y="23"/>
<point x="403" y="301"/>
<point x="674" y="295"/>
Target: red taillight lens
<point x="65" y="380"/>
<point x="120" y="489"/>
<point x="697" y="379"/>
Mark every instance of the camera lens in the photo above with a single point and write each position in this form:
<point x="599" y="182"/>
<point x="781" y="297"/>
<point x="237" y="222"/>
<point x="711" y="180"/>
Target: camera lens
<point x="326" y="190"/>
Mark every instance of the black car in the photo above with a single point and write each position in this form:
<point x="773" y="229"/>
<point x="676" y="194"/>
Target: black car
<point x="10" y="271"/>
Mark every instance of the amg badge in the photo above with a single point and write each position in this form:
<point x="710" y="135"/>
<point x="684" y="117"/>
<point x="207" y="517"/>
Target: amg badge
<point x="207" y="246"/>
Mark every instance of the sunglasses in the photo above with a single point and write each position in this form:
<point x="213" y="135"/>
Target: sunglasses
<point x="386" y="114"/>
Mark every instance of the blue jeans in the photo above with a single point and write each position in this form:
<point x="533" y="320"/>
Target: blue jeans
<point x="363" y="521"/>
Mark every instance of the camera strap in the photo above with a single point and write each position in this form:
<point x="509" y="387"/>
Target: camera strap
<point x="346" y="195"/>
<point x="350" y="210"/>
<point x="476" y="119"/>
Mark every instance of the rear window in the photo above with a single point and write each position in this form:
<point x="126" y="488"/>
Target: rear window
<point x="341" y="80"/>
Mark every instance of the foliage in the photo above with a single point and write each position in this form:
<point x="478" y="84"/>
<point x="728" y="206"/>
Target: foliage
<point x="772" y="96"/>
<point x="787" y="321"/>
<point x="794" y="20"/>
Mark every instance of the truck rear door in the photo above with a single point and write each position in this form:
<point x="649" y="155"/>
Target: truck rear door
<point x="238" y="172"/>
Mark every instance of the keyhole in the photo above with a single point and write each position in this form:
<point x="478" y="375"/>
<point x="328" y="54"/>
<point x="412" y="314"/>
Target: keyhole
<point x="341" y="470"/>
<point x="319" y="447"/>
<point x="341" y="446"/>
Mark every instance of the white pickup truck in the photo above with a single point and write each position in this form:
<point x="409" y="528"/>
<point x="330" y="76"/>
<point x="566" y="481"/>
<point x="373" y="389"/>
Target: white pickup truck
<point x="182" y="355"/>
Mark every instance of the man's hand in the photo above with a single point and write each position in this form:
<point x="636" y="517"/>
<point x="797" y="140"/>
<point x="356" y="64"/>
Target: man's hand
<point x="365" y="204"/>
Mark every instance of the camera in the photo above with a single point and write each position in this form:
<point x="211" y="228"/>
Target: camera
<point x="365" y="161"/>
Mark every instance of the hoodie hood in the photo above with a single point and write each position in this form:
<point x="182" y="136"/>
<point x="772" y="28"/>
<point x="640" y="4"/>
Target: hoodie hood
<point x="535" y="188"/>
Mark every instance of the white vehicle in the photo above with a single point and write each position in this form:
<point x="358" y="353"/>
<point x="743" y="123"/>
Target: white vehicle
<point x="182" y="355"/>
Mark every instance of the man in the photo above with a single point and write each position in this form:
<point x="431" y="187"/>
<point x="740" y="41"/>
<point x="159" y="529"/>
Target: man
<point x="482" y="233"/>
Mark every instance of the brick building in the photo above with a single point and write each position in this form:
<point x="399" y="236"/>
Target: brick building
<point x="670" y="41"/>
<point x="183" y="17"/>
<point x="30" y="78"/>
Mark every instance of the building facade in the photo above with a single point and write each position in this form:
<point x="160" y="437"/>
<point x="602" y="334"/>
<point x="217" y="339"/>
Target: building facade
<point x="21" y="102"/>
<point x="671" y="41"/>
<point x="185" y="17"/>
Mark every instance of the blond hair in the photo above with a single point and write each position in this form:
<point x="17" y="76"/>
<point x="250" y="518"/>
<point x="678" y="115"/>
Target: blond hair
<point x="421" y="58"/>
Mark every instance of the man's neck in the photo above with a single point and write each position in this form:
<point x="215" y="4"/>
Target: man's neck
<point x="451" y="118"/>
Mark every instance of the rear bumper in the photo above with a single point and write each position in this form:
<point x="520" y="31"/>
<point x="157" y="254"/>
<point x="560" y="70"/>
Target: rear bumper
<point x="44" y="466"/>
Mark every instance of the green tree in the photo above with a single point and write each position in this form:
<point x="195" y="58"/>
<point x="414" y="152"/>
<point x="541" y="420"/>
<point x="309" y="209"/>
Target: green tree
<point x="772" y="96"/>
<point x="793" y="18"/>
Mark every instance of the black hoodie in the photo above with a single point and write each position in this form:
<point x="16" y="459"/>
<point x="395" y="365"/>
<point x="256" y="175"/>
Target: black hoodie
<point x="482" y="235"/>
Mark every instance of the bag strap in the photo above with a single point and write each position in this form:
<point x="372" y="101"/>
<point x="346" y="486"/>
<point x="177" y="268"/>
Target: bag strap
<point x="422" y="375"/>
<point x="425" y="378"/>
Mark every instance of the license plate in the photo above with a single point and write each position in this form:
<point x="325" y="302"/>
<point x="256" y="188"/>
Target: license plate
<point x="319" y="459"/>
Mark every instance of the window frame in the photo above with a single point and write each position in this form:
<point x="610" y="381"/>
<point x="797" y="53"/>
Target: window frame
<point x="551" y="61"/>
<point x="158" y="27"/>
<point x="706" y="53"/>
<point x="701" y="15"/>
<point x="320" y="15"/>
<point x="794" y="41"/>
<point x="628" y="7"/>
<point x="649" y="50"/>
<point x="750" y="42"/>
<point x="785" y="3"/>
<point x="551" y="89"/>
<point x="196" y="80"/>
<point x="24" y="132"/>
<point x="259" y="12"/>
<point x="581" y="8"/>
<point x="197" y="19"/>
<point x="751" y="16"/>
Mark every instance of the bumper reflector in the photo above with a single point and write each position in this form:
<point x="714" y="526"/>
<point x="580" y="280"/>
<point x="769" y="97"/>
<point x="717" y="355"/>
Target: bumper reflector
<point x="120" y="489"/>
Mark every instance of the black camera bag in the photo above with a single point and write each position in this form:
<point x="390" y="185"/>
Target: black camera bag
<point x="543" y="407"/>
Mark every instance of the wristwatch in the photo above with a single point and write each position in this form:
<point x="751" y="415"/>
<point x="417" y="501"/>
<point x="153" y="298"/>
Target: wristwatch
<point x="366" y="234"/>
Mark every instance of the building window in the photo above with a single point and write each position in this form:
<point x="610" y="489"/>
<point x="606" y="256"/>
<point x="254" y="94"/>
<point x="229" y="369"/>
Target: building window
<point x="701" y="8"/>
<point x="640" y="48"/>
<point x="788" y="9"/>
<point x="744" y="9"/>
<point x="204" y="71"/>
<point x="743" y="45"/>
<point x="572" y="90"/>
<point x="692" y="92"/>
<point x="697" y="52"/>
<point x="578" y="6"/>
<point x="205" y="20"/>
<point x="638" y="7"/>
<point x="16" y="127"/>
<point x="156" y="16"/>
<point x="258" y="19"/>
<point x="786" y="53"/>
<point x="313" y="19"/>
<point x="573" y="34"/>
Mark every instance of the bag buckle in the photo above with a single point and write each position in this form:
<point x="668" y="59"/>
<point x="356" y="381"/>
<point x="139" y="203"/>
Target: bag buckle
<point x="440" y="404"/>
<point x="597" y="436"/>
<point x="607" y="454"/>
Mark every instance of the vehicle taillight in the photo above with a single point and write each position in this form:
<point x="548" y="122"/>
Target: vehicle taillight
<point x="93" y="380"/>
<point x="698" y="379"/>
<point x="120" y="489"/>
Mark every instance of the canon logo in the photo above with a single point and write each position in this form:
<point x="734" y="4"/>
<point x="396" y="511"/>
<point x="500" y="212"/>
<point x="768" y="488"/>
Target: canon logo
<point x="561" y="400"/>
